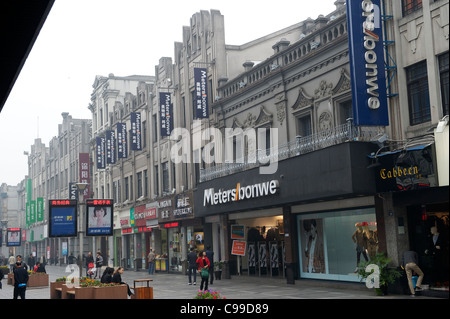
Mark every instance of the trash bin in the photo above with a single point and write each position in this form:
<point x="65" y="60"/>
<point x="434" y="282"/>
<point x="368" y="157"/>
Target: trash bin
<point x="143" y="292"/>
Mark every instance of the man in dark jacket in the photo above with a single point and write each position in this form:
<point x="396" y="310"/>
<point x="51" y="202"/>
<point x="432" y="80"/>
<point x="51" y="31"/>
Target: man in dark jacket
<point x="192" y="265"/>
<point x="20" y="280"/>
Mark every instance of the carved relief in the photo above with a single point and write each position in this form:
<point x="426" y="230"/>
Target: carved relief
<point x="264" y="117"/>
<point x="343" y="84"/>
<point x="443" y="20"/>
<point x="323" y="90"/>
<point x="325" y="120"/>
<point x="280" y="102"/>
<point x="303" y="100"/>
<point x="250" y="120"/>
<point x="412" y="34"/>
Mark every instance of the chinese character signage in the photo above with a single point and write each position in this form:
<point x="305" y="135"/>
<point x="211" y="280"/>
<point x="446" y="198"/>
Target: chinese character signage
<point x="101" y="149"/>
<point x="165" y="113"/>
<point x="84" y="173"/>
<point x="99" y="221"/>
<point x="201" y="93"/>
<point x="368" y="79"/>
<point x="63" y="218"/>
<point x="136" y="142"/>
<point x="110" y="147"/>
<point x="40" y="209"/>
<point x="122" y="150"/>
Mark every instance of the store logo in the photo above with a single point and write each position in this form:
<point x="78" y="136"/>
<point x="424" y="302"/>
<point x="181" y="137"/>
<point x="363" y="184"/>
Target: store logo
<point x="399" y="172"/>
<point x="240" y="193"/>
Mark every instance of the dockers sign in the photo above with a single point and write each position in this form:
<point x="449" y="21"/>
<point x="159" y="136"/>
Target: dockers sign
<point x="210" y="197"/>
<point x="368" y="79"/>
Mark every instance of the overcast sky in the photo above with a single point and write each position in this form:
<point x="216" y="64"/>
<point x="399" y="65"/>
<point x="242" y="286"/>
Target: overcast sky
<point x="84" y="38"/>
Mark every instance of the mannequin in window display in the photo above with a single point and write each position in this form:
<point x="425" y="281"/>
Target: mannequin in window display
<point x="360" y="238"/>
<point x="436" y="249"/>
<point x="314" y="253"/>
<point x="372" y="240"/>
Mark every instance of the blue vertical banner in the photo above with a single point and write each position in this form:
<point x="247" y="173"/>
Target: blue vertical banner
<point x="165" y="113"/>
<point x="110" y="147"/>
<point x="201" y="93"/>
<point x="122" y="150"/>
<point x="136" y="143"/>
<point x="101" y="148"/>
<point x="367" y="70"/>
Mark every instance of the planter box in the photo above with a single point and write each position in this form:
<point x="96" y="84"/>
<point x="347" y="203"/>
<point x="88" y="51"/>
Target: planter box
<point x="33" y="280"/>
<point x="5" y="271"/>
<point x="114" y="292"/>
<point x="38" y="281"/>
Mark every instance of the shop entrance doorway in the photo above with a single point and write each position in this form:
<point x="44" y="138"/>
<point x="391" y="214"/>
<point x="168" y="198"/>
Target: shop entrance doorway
<point x="429" y="236"/>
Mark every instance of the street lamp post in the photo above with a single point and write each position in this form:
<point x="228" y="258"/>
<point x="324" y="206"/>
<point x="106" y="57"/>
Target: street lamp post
<point x="81" y="187"/>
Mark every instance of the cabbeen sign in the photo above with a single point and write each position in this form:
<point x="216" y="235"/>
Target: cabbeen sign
<point x="367" y="70"/>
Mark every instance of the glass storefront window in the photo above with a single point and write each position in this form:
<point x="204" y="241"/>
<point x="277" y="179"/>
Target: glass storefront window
<point x="332" y="243"/>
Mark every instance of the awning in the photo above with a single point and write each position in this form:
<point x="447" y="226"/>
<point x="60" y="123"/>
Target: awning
<point x="411" y="148"/>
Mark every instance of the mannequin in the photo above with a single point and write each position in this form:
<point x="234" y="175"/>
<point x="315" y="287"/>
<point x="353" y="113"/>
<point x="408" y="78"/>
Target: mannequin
<point x="360" y="238"/>
<point x="435" y="250"/>
<point x="372" y="241"/>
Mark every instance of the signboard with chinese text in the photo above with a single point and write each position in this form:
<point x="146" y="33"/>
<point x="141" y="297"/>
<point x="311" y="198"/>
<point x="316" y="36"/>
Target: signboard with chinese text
<point x="99" y="219"/>
<point x="63" y="218"/>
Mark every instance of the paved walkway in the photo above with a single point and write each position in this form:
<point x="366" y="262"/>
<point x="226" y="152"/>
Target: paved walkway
<point x="175" y="286"/>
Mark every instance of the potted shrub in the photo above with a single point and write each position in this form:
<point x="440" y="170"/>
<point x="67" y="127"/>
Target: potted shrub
<point x="218" y="269"/>
<point x="386" y="274"/>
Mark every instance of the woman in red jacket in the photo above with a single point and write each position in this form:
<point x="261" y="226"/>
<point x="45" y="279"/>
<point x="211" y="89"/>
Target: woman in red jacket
<point x="203" y="263"/>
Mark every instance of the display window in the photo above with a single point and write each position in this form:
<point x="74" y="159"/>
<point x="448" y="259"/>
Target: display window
<point x="331" y="244"/>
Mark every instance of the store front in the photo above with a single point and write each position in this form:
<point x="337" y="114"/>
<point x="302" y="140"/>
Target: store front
<point x="415" y="206"/>
<point x="274" y="208"/>
<point x="178" y="231"/>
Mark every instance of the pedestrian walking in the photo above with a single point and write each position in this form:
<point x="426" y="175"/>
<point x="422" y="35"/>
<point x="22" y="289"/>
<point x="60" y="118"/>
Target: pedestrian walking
<point x="89" y="264"/>
<point x="31" y="261"/>
<point x="210" y="255"/>
<point x="11" y="261"/>
<point x="151" y="261"/>
<point x="203" y="269"/>
<point x="20" y="280"/>
<point x="192" y="266"/>
<point x="409" y="263"/>
<point x="98" y="264"/>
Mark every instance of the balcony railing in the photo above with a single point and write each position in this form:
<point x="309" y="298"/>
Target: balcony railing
<point x="302" y="145"/>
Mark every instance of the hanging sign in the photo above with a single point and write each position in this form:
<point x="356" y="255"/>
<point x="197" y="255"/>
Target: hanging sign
<point x="368" y="79"/>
